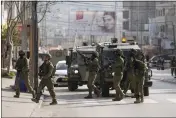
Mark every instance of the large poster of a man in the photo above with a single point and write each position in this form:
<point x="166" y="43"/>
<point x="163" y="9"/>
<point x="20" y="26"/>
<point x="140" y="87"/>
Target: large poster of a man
<point x="92" y="23"/>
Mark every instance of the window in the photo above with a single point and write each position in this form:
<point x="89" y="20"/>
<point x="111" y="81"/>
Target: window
<point x="126" y="25"/>
<point x="163" y="11"/>
<point x="125" y="14"/>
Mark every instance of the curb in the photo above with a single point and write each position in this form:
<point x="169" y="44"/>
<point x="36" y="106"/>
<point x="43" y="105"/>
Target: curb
<point x="38" y="105"/>
<point x="164" y="80"/>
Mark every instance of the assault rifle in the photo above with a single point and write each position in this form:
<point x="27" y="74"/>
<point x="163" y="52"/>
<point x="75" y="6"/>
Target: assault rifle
<point x="86" y="59"/>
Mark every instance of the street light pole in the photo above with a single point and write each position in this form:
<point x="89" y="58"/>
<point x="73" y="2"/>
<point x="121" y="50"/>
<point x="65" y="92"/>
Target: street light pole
<point x="35" y="43"/>
<point x="173" y="26"/>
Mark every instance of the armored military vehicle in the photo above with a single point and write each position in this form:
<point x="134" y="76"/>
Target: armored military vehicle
<point x="107" y="57"/>
<point x="77" y="69"/>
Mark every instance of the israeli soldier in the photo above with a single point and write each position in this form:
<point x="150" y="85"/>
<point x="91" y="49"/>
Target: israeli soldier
<point x="93" y="67"/>
<point x="130" y="75"/>
<point x="173" y="66"/>
<point x="139" y="71"/>
<point x="22" y="67"/>
<point x="46" y="74"/>
<point x="118" y="74"/>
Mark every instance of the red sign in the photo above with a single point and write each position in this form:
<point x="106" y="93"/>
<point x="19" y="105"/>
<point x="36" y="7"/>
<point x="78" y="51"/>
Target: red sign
<point x="79" y="15"/>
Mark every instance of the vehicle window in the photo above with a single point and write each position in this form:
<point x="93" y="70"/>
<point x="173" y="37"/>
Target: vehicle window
<point x="61" y="66"/>
<point x="155" y="59"/>
<point x="166" y="57"/>
<point x="108" y="56"/>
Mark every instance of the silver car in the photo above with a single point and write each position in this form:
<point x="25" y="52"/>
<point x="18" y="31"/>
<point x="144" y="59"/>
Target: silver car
<point x="60" y="77"/>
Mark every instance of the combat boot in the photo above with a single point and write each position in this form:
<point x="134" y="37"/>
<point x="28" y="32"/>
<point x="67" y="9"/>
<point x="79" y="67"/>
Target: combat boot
<point x="142" y="99"/>
<point x="54" y="102"/>
<point x="137" y="99"/>
<point x="35" y="100"/>
<point x="33" y="94"/>
<point x="97" y="92"/>
<point x="16" y="96"/>
<point x="89" y="96"/>
<point x="116" y="99"/>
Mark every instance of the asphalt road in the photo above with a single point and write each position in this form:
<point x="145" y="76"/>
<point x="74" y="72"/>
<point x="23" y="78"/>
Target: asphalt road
<point x="160" y="103"/>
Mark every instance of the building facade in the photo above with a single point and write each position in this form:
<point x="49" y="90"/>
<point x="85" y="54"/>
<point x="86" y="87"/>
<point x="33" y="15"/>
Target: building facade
<point x="135" y="20"/>
<point x="162" y="27"/>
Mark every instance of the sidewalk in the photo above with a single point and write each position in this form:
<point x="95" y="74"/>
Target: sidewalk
<point x="16" y="107"/>
<point x="163" y="75"/>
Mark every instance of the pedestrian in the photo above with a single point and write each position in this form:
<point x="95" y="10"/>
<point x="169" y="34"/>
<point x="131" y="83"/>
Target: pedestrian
<point x="159" y="63"/>
<point x="118" y="75"/>
<point x="173" y="66"/>
<point x="46" y="73"/>
<point x="22" y="67"/>
<point x="93" y="68"/>
<point x="139" y="72"/>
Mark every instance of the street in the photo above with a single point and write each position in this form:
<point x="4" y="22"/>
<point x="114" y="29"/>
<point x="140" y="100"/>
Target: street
<point x="161" y="102"/>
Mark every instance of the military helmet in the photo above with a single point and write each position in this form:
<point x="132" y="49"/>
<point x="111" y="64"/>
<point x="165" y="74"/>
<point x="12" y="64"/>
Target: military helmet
<point x="95" y="54"/>
<point x="21" y="52"/>
<point x="49" y="56"/>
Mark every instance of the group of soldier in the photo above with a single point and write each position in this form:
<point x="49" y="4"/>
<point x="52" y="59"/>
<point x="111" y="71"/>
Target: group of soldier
<point x="134" y="66"/>
<point x="46" y="73"/>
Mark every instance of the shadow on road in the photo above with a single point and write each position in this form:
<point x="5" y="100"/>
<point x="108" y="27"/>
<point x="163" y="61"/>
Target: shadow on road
<point x="7" y="89"/>
<point x="61" y="89"/>
<point x="15" y="101"/>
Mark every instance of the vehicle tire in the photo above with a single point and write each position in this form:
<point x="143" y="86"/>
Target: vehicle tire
<point x="72" y="86"/>
<point x="146" y="91"/>
<point x="105" y="90"/>
<point x="56" y="85"/>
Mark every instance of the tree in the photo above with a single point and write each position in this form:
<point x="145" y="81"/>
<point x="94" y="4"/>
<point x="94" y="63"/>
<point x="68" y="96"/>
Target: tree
<point x="10" y="33"/>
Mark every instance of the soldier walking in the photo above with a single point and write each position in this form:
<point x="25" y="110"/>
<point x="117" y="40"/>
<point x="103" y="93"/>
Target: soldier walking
<point x="46" y="72"/>
<point x="118" y="74"/>
<point x="93" y="67"/>
<point x="139" y="72"/>
<point x="22" y="67"/>
<point x="130" y="75"/>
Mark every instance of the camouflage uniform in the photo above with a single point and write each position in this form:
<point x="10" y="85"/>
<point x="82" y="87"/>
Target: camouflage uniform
<point x="93" y="67"/>
<point x="22" y="67"/>
<point x="130" y="76"/>
<point x="118" y="70"/>
<point x="139" y="70"/>
<point x="46" y="73"/>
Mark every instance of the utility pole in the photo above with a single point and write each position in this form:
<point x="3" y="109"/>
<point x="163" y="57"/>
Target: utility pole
<point x="173" y="26"/>
<point x="35" y="43"/>
<point x="24" y="45"/>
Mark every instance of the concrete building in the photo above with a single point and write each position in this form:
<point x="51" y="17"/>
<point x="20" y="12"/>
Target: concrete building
<point x="135" y="20"/>
<point x="163" y="25"/>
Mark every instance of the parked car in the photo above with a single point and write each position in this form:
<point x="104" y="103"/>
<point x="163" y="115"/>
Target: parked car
<point x="60" y="77"/>
<point x="154" y="59"/>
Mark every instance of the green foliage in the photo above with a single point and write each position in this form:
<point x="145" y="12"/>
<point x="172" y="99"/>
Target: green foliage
<point x="9" y="75"/>
<point x="3" y="32"/>
<point x="15" y="34"/>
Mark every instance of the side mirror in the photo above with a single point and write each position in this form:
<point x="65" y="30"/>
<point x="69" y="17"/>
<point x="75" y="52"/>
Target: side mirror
<point x="67" y="60"/>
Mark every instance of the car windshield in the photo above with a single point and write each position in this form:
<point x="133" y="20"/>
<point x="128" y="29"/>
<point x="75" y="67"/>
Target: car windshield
<point x="74" y="58"/>
<point x="61" y="66"/>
